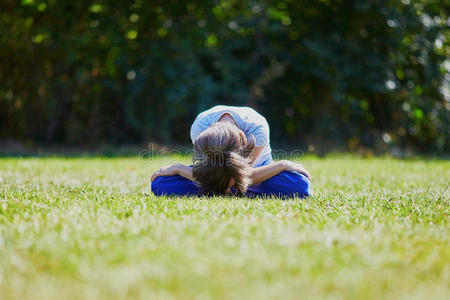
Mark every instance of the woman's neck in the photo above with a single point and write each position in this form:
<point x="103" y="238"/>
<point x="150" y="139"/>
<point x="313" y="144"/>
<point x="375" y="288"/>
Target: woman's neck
<point x="226" y="117"/>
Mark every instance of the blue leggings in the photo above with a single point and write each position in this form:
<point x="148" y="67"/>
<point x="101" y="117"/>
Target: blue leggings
<point x="286" y="184"/>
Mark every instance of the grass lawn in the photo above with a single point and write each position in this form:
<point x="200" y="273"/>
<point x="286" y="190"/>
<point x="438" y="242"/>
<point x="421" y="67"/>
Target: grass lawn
<point x="88" y="228"/>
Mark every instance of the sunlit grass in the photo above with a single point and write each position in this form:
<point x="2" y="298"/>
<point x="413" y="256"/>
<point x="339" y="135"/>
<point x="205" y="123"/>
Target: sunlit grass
<point x="89" y="228"/>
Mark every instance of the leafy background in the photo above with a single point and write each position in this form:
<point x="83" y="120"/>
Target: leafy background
<point x="337" y="74"/>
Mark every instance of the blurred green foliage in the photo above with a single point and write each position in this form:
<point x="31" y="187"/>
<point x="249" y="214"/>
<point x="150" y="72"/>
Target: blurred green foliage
<point x="361" y="73"/>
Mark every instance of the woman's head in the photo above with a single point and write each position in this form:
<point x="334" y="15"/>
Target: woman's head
<point x="220" y="155"/>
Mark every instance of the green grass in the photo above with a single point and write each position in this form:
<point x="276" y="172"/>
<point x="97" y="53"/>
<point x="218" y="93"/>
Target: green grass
<point x="89" y="228"/>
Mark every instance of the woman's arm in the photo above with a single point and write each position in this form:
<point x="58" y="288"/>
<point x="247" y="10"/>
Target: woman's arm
<point x="261" y="174"/>
<point x="258" y="175"/>
<point x="176" y="169"/>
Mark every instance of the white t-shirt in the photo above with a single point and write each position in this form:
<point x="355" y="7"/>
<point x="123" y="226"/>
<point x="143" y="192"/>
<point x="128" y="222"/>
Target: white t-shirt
<point x="247" y="119"/>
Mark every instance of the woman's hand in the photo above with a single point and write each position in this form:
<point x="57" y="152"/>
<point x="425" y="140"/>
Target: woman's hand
<point x="166" y="171"/>
<point x="293" y="166"/>
<point x="176" y="169"/>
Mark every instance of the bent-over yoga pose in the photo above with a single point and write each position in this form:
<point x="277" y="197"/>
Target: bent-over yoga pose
<point x="232" y="155"/>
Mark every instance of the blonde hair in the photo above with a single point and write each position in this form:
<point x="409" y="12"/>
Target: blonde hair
<point x="221" y="153"/>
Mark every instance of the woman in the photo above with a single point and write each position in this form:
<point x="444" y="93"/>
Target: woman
<point x="232" y="155"/>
